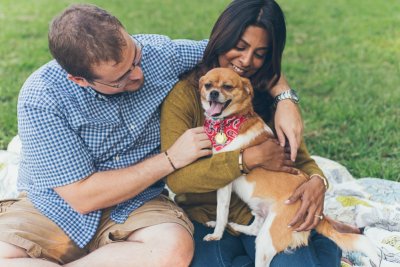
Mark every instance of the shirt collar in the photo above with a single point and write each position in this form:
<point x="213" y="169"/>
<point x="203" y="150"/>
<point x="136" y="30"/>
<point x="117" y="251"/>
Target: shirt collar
<point x="96" y="94"/>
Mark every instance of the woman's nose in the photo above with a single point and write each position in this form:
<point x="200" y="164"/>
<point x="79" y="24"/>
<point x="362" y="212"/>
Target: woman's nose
<point x="246" y="58"/>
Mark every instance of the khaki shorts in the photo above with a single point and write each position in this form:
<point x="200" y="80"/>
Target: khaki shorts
<point x="22" y="225"/>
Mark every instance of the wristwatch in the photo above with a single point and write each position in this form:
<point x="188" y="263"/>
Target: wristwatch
<point x="289" y="94"/>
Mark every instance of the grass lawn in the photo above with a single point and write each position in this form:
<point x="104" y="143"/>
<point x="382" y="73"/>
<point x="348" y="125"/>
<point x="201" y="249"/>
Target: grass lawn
<point x="342" y="56"/>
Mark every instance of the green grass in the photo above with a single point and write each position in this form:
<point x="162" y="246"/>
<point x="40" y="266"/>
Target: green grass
<point x="342" y="56"/>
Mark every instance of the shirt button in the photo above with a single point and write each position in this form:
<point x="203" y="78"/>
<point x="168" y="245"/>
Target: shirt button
<point x="117" y="157"/>
<point x="132" y="126"/>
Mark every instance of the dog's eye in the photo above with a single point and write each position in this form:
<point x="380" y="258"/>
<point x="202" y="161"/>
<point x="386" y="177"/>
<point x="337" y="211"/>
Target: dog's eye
<point x="207" y="85"/>
<point x="227" y="87"/>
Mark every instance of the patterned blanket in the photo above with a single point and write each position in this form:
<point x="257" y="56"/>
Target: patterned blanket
<point x="372" y="203"/>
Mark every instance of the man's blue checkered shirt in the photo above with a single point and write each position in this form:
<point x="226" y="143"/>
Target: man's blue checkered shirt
<point x="69" y="132"/>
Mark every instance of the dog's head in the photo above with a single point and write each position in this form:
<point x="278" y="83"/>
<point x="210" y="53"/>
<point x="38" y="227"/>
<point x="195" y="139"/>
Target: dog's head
<point x="224" y="93"/>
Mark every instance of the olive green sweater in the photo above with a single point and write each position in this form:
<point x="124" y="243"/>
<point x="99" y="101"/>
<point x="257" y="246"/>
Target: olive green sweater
<point x="195" y="185"/>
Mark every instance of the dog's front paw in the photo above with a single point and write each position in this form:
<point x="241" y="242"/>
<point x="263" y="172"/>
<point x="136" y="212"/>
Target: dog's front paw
<point x="212" y="237"/>
<point x="211" y="224"/>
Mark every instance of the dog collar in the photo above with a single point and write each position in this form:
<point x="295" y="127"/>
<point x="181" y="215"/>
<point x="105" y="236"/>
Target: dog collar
<point x="221" y="132"/>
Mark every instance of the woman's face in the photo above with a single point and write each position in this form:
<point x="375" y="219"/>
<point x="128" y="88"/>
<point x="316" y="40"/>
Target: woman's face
<point x="247" y="57"/>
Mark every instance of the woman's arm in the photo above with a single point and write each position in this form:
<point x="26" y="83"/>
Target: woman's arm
<point x="311" y="193"/>
<point x="288" y="120"/>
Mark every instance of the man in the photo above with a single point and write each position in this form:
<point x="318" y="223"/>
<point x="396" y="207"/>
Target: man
<point x="91" y="168"/>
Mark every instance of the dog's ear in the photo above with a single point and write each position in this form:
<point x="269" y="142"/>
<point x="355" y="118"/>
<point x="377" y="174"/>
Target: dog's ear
<point x="201" y="81"/>
<point x="247" y="86"/>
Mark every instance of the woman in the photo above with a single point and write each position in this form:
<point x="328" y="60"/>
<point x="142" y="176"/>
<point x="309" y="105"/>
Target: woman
<point x="248" y="37"/>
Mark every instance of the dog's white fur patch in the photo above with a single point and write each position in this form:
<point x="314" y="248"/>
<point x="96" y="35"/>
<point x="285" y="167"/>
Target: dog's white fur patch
<point x="299" y="239"/>
<point x="241" y="140"/>
<point x="252" y="229"/>
<point x="265" y="250"/>
<point x="223" y="201"/>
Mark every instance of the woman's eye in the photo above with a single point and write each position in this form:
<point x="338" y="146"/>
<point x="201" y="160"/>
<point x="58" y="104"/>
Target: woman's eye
<point x="240" y="48"/>
<point x="259" y="56"/>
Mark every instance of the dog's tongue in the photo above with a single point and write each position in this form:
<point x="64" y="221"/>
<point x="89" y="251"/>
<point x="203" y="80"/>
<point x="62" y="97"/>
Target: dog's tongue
<point x="215" y="108"/>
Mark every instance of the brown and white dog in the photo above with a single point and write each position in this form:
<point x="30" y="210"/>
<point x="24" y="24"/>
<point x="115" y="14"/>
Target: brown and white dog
<point x="227" y="100"/>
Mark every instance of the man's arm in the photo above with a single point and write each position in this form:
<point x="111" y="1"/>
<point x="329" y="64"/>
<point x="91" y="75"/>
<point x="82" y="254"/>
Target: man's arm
<point x="56" y="157"/>
<point x="108" y="188"/>
<point x="188" y="54"/>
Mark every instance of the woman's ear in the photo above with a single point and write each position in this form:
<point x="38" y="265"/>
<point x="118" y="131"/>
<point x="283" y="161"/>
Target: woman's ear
<point x="247" y="86"/>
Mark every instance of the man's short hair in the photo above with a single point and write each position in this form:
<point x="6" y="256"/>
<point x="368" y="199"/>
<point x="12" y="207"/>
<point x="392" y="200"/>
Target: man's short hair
<point x="85" y="35"/>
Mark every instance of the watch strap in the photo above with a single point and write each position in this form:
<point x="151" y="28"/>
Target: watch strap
<point x="288" y="94"/>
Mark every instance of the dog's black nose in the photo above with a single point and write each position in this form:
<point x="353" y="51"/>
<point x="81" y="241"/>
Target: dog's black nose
<point x="214" y="95"/>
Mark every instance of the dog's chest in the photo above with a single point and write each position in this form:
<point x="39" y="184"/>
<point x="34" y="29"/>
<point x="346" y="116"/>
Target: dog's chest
<point x="241" y="141"/>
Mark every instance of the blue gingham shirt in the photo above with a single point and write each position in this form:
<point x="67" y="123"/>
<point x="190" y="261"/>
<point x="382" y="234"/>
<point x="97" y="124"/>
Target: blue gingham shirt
<point x="69" y="132"/>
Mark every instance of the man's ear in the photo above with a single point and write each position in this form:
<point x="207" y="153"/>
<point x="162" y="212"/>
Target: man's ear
<point x="247" y="86"/>
<point x="78" y="80"/>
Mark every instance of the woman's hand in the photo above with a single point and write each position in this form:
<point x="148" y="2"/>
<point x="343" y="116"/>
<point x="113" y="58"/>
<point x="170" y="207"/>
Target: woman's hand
<point x="191" y="145"/>
<point x="311" y="194"/>
<point x="289" y="124"/>
<point x="270" y="156"/>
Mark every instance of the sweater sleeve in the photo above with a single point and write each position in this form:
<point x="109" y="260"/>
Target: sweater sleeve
<point x="182" y="111"/>
<point x="305" y="163"/>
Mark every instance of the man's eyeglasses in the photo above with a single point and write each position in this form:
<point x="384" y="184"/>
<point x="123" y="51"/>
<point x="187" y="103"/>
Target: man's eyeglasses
<point x="123" y="81"/>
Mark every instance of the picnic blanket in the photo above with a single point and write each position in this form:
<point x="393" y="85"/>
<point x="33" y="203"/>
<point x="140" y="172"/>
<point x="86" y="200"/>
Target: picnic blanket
<point x="366" y="202"/>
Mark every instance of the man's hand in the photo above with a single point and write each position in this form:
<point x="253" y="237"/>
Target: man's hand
<point x="289" y="124"/>
<point x="311" y="194"/>
<point x="270" y="156"/>
<point x="191" y="145"/>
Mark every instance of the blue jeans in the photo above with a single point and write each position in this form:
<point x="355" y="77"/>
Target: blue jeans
<point x="239" y="251"/>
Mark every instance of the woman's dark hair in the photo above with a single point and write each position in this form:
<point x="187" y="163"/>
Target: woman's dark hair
<point x="228" y="30"/>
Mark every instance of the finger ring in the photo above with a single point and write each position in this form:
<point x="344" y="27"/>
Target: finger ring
<point x="319" y="216"/>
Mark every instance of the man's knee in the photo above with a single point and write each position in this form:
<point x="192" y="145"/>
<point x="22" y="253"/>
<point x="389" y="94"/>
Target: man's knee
<point x="180" y="247"/>
<point x="9" y="251"/>
<point x="173" y="243"/>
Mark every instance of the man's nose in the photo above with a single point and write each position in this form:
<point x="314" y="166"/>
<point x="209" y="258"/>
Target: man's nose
<point x="135" y="73"/>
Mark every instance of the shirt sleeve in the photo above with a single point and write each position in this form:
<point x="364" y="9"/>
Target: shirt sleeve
<point x="53" y="155"/>
<point x="188" y="53"/>
<point x="181" y="111"/>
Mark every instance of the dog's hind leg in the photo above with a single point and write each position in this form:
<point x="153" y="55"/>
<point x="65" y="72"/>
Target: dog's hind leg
<point x="252" y="229"/>
<point x="265" y="250"/>
<point x="223" y="201"/>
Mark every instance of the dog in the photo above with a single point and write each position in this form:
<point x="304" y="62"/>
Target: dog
<point x="227" y="100"/>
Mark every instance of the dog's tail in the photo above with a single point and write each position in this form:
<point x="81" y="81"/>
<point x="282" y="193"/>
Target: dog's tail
<point x="350" y="241"/>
